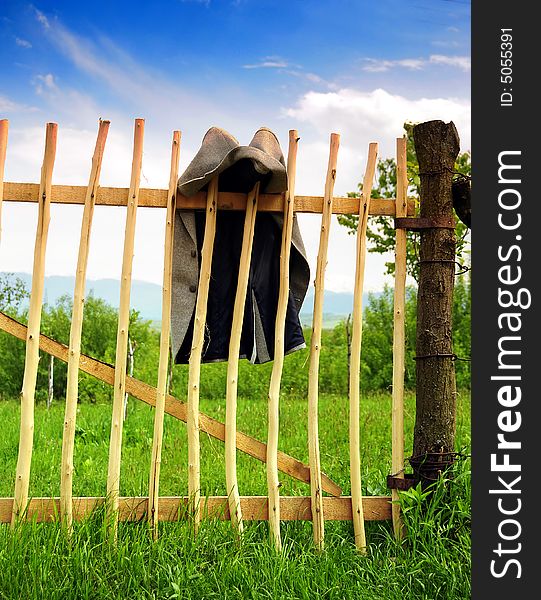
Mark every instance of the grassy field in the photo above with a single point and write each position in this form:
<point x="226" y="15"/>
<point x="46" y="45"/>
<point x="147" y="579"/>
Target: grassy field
<point x="38" y="562"/>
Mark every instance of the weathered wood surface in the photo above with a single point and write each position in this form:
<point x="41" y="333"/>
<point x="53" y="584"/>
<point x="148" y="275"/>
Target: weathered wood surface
<point x="355" y="356"/>
<point x="315" y="348"/>
<point x="173" y="406"/>
<point x="437" y="146"/>
<point x="232" y="486"/>
<point x="163" y="365"/>
<point x="399" y="333"/>
<point x="72" y="380"/>
<point x="157" y="198"/>
<point x="196" y="352"/>
<point x="273" y="482"/>
<point x="121" y="358"/>
<point x="26" y="436"/>
<point x="4" y="127"/>
<point x="254" y="508"/>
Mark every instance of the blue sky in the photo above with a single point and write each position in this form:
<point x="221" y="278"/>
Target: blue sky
<point x="358" y="68"/>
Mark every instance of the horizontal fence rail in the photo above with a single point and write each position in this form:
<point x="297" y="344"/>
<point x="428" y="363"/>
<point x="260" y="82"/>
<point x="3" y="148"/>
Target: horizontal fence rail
<point x="157" y="198"/>
<point x="173" y="508"/>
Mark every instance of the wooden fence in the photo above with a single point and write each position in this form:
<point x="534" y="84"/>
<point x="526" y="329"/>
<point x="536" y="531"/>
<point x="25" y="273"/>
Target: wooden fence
<point x="316" y="507"/>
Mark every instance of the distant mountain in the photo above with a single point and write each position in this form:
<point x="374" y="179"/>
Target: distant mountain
<point x="147" y="297"/>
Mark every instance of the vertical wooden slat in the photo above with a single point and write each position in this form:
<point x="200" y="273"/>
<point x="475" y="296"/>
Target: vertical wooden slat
<point x="355" y="358"/>
<point x="273" y="483"/>
<point x="194" y="367"/>
<point x="315" y="348"/>
<point x="22" y="478"/>
<point x="232" y="487"/>
<point x="72" y="385"/>
<point x="4" y="126"/>
<point x="115" y="446"/>
<point x="154" y="482"/>
<point x="399" y="332"/>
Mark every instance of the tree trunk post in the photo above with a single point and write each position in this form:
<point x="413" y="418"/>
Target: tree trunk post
<point x="436" y="146"/>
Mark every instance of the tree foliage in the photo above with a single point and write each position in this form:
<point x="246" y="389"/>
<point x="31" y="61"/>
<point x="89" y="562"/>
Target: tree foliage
<point x="98" y="340"/>
<point x="381" y="232"/>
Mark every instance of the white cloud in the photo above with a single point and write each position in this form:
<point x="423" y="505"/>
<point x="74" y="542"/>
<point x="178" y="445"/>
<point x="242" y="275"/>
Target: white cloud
<point x="445" y="43"/>
<point x="139" y="91"/>
<point x="23" y="43"/>
<point x="42" y="19"/>
<point x="44" y="83"/>
<point x="267" y="64"/>
<point x="360" y="118"/>
<point x="461" y="62"/>
<point x="72" y="167"/>
<point x="284" y="66"/>
<point x="10" y="106"/>
<point x="375" y="65"/>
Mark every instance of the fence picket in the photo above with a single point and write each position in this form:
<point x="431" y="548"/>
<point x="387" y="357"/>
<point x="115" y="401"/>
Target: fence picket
<point x="315" y="348"/>
<point x="355" y="359"/>
<point x="154" y="481"/>
<point x="72" y="384"/>
<point x="399" y="333"/>
<point x="26" y="439"/>
<point x="194" y="368"/>
<point x="157" y="198"/>
<point x="273" y="483"/>
<point x="115" y="446"/>
<point x="232" y="487"/>
<point x="4" y="126"/>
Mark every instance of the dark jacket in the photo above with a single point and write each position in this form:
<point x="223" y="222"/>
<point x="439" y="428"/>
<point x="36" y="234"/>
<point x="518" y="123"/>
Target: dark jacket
<point x="257" y="340"/>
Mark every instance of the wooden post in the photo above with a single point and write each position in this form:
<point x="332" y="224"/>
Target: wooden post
<point x="115" y="446"/>
<point x="4" y="126"/>
<point x="50" y="386"/>
<point x="129" y="370"/>
<point x="26" y="439"/>
<point x="154" y="482"/>
<point x="169" y="385"/>
<point x="347" y="331"/>
<point x="436" y="146"/>
<point x="355" y="367"/>
<point x="72" y="385"/>
<point x="399" y="332"/>
<point x="273" y="483"/>
<point x="194" y="367"/>
<point x="315" y="348"/>
<point x="232" y="487"/>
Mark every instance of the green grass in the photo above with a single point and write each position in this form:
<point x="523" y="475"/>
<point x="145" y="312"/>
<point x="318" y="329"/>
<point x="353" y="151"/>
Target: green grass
<point x="37" y="562"/>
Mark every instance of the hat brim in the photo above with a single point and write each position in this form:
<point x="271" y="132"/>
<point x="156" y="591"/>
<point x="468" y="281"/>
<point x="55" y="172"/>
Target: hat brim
<point x="271" y="169"/>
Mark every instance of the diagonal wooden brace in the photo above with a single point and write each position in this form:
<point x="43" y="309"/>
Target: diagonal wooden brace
<point x="174" y="407"/>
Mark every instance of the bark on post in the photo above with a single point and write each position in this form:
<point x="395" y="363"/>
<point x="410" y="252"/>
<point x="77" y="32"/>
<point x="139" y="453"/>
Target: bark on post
<point x="436" y="146"/>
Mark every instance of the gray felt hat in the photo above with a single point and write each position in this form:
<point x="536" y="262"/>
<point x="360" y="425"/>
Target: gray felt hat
<point x="262" y="160"/>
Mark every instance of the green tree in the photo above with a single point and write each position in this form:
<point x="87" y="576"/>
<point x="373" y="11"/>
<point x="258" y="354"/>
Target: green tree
<point x="381" y="232"/>
<point x="98" y="340"/>
<point x="13" y="293"/>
